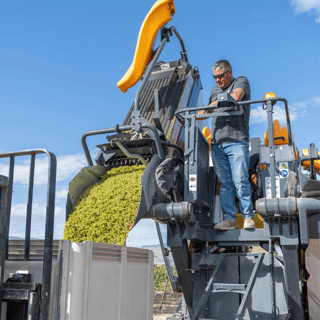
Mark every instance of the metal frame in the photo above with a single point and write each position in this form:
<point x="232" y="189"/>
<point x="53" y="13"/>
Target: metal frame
<point x="47" y="257"/>
<point x="269" y="102"/>
<point x="285" y="228"/>
<point x="3" y="230"/>
<point x="230" y="288"/>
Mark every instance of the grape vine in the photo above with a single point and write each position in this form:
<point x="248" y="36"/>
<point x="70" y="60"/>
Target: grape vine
<point x="160" y="276"/>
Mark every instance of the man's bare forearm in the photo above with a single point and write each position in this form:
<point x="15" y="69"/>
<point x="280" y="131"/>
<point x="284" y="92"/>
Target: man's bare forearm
<point x="208" y="110"/>
<point x="237" y="95"/>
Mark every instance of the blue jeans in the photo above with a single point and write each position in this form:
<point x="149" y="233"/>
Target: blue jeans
<point x="231" y="164"/>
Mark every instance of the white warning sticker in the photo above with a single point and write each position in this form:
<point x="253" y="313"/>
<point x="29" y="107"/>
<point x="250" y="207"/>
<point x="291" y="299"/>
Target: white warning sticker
<point x="165" y="66"/>
<point x="268" y="187"/>
<point x="193" y="182"/>
<point x="284" y="171"/>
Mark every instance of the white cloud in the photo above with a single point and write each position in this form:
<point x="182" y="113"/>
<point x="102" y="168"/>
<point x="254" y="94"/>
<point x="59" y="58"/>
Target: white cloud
<point x="310" y="6"/>
<point x="296" y="110"/>
<point x="38" y="211"/>
<point x="145" y="233"/>
<point x="70" y="165"/>
<point x="61" y="193"/>
<point x="67" y="167"/>
<point x="258" y="115"/>
<point x="38" y="219"/>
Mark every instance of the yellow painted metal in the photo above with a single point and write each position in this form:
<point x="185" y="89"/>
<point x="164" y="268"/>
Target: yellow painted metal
<point x="278" y="131"/>
<point x="160" y="14"/>
<point x="257" y="220"/>
<point x="306" y="164"/>
<point x="207" y="133"/>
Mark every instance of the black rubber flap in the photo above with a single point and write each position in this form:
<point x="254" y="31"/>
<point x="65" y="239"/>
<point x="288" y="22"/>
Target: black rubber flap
<point x="166" y="176"/>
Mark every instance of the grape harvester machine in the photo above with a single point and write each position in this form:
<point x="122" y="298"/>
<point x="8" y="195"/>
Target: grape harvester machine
<point x="217" y="275"/>
<point x="219" y="278"/>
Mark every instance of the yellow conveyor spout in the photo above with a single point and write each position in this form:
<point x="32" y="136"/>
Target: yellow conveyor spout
<point x="159" y="15"/>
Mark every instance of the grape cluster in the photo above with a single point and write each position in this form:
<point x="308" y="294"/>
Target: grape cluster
<point x="105" y="212"/>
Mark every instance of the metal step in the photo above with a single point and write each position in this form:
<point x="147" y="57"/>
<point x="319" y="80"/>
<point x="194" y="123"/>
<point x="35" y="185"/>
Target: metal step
<point x="18" y="291"/>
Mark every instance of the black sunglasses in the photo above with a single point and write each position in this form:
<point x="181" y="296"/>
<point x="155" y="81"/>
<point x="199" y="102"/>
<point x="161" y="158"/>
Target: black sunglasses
<point x="220" y="76"/>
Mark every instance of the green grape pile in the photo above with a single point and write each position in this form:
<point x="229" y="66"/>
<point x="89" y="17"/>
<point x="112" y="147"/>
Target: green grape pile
<point x="106" y="211"/>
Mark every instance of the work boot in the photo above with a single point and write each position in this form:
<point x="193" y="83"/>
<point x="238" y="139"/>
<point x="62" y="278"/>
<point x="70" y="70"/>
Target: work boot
<point x="249" y="224"/>
<point x="225" y="225"/>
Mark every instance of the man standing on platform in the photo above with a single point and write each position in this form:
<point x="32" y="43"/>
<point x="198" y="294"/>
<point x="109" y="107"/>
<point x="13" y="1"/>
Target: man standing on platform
<point x="230" y="147"/>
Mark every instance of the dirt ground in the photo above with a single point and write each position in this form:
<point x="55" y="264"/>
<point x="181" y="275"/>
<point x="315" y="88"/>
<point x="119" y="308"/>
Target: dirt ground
<point x="169" y="306"/>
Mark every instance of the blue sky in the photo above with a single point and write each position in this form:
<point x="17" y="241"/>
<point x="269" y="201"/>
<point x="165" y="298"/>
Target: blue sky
<point x="60" y="63"/>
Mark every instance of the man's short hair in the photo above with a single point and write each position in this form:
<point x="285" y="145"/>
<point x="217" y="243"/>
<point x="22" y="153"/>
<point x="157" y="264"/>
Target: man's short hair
<point x="223" y="65"/>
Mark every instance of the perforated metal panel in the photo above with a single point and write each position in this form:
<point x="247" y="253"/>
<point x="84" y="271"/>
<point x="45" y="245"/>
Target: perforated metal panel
<point x="203" y="167"/>
<point x="197" y="170"/>
<point x="170" y="85"/>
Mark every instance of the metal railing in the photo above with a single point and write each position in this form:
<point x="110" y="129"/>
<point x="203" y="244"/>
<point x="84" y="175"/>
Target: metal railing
<point x="48" y="244"/>
<point x="269" y="102"/>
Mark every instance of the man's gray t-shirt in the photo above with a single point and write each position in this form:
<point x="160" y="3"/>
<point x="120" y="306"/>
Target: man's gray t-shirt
<point x="231" y="128"/>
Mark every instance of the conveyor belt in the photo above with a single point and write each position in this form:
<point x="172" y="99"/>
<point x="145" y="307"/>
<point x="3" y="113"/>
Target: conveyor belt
<point x="170" y="83"/>
<point x="171" y="80"/>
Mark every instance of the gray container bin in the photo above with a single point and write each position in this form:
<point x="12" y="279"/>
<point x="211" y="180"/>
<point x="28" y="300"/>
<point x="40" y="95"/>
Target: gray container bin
<point x="91" y="280"/>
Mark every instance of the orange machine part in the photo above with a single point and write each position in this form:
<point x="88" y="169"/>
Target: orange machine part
<point x="278" y="132"/>
<point x="207" y="134"/>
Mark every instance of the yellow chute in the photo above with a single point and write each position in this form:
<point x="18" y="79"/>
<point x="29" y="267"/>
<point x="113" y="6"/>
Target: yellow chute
<point x="160" y="14"/>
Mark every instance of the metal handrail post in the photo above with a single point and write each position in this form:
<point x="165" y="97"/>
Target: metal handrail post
<point x="47" y="258"/>
<point x="271" y="149"/>
<point x="29" y="208"/>
<point x="4" y="225"/>
<point x="9" y="200"/>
